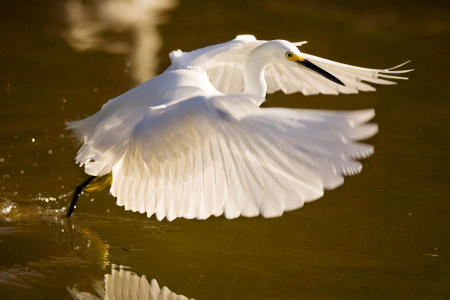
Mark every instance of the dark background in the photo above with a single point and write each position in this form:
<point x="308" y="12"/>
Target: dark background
<point x="385" y="233"/>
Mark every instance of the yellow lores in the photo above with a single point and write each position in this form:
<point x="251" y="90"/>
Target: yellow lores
<point x="293" y="57"/>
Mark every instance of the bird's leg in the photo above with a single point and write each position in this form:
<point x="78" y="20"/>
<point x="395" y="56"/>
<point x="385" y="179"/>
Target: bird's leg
<point x="77" y="193"/>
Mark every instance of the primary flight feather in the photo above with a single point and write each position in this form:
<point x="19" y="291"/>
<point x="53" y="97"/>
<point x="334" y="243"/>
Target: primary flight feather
<point x="194" y="141"/>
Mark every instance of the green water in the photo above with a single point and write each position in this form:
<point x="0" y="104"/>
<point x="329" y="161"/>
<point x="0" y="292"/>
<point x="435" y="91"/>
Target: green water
<point x="383" y="234"/>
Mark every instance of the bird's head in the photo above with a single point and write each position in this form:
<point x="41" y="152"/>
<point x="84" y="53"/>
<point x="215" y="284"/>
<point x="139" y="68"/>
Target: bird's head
<point x="287" y="53"/>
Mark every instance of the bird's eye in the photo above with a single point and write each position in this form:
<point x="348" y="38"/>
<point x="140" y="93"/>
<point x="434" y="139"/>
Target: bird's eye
<point x="289" y="54"/>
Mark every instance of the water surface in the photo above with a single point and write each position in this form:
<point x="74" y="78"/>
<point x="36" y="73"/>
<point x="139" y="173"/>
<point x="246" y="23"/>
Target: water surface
<point x="384" y="233"/>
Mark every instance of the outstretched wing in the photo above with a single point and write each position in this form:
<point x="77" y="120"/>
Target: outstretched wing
<point x="225" y="155"/>
<point x="224" y="63"/>
<point x="105" y="134"/>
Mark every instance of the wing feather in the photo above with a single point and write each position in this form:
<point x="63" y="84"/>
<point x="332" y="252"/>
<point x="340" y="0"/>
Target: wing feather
<point x="205" y="156"/>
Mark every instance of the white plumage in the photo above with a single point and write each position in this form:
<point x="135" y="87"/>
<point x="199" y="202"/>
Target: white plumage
<point x="193" y="141"/>
<point x="126" y="285"/>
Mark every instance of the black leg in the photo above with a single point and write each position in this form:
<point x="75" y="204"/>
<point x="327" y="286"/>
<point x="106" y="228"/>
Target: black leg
<point x="77" y="193"/>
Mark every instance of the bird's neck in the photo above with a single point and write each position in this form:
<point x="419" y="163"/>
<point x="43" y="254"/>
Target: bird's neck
<point x="255" y="82"/>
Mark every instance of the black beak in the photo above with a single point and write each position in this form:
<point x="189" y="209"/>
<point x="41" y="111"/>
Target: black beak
<point x="311" y="66"/>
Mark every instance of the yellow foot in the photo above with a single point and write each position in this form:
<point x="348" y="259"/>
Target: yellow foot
<point x="99" y="183"/>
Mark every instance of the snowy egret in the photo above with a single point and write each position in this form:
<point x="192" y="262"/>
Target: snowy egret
<point x="194" y="141"/>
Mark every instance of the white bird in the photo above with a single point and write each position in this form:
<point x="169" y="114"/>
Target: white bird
<point x="194" y="141"/>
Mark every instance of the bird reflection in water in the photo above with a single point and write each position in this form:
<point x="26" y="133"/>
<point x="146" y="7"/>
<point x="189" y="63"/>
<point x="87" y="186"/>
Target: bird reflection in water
<point x="100" y="25"/>
<point x="122" y="284"/>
